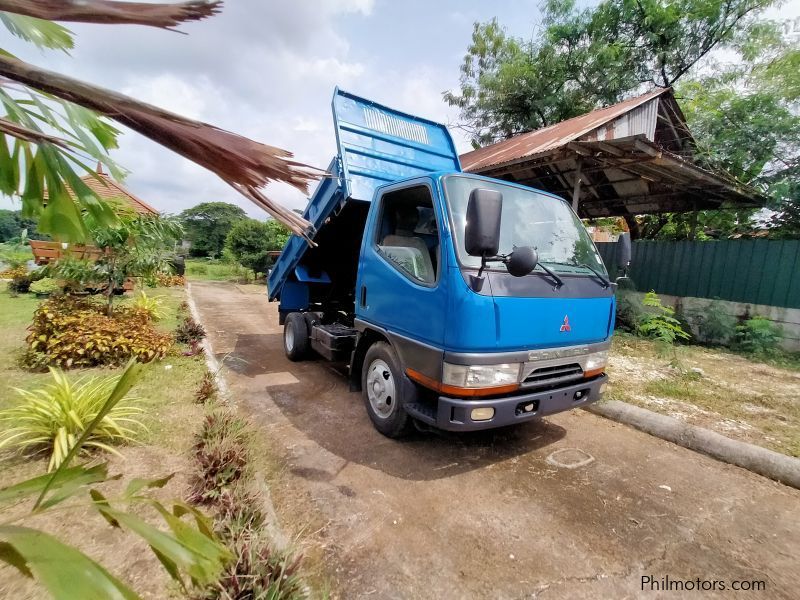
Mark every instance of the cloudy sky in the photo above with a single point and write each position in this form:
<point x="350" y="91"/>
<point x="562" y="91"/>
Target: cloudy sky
<point x="267" y="69"/>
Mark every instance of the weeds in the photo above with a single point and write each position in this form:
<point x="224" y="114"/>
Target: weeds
<point x="224" y="480"/>
<point x="758" y="336"/>
<point x="659" y="321"/>
<point x="207" y="390"/>
<point x="189" y="331"/>
<point x="221" y="453"/>
<point x="714" y="324"/>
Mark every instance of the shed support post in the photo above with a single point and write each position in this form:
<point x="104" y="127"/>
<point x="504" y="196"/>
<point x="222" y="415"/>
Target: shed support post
<point x="576" y="190"/>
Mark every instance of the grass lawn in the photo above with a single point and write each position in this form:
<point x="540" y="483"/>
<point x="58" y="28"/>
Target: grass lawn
<point x="215" y="270"/>
<point x="166" y="390"/>
<point x="729" y="393"/>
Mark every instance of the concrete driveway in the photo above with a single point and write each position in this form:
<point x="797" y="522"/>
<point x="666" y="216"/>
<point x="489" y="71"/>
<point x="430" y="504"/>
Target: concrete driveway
<point x="574" y="506"/>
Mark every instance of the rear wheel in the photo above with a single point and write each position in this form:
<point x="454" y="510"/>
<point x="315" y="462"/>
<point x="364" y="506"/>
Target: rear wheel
<point x="386" y="390"/>
<point x="295" y="337"/>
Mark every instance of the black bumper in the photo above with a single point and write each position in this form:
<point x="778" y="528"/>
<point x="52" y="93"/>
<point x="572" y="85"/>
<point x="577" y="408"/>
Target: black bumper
<point x="453" y="414"/>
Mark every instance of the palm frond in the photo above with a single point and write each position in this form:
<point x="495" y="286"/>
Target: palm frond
<point x="243" y="163"/>
<point x="42" y="33"/>
<point x="106" y="12"/>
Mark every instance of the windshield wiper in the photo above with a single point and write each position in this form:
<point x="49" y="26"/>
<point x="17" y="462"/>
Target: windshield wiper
<point x="556" y="278"/>
<point x="603" y="280"/>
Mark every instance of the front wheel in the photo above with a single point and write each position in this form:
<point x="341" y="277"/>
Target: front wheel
<point x="295" y="337"/>
<point x="386" y="390"/>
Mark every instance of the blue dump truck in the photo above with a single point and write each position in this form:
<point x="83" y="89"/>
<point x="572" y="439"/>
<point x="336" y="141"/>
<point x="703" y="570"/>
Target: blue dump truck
<point x="457" y="301"/>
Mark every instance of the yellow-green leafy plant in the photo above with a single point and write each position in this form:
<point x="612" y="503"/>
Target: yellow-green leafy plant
<point x="52" y="418"/>
<point x="45" y="286"/>
<point x="72" y="332"/>
<point x="187" y="548"/>
<point x="152" y="305"/>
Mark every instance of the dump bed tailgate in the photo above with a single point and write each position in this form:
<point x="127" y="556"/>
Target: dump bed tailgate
<point x="376" y="145"/>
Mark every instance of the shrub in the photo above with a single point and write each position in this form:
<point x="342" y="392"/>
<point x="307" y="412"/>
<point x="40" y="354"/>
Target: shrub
<point x="152" y="305"/>
<point x="14" y="273"/>
<point x="714" y="324"/>
<point x="78" y="273"/>
<point x="167" y="280"/>
<point x="659" y="322"/>
<point x="758" y="335"/>
<point x="20" y="284"/>
<point x="207" y="389"/>
<point x="221" y="452"/>
<point x="189" y="331"/>
<point x="51" y="419"/>
<point x="75" y="332"/>
<point x="47" y="285"/>
<point x="629" y="311"/>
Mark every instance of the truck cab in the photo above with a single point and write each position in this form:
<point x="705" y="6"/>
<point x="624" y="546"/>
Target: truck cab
<point x="457" y="301"/>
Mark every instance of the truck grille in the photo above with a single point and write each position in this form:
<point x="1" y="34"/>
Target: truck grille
<point x="554" y="374"/>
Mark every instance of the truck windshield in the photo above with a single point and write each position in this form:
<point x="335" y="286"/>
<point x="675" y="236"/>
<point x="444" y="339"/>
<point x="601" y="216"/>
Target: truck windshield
<point x="529" y="218"/>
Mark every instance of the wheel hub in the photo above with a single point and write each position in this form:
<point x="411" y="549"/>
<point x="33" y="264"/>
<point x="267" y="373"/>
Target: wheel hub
<point x="381" y="390"/>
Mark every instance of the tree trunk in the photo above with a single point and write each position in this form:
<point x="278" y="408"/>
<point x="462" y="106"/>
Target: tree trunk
<point x="633" y="227"/>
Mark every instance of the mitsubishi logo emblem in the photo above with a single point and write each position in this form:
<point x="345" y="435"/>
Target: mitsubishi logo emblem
<point x="565" y="325"/>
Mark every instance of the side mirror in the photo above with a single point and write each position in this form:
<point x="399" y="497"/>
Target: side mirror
<point x="482" y="233"/>
<point x="522" y="261"/>
<point x="624" y="251"/>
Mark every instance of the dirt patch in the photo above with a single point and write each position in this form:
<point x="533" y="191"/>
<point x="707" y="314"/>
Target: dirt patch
<point x="488" y="516"/>
<point x="725" y="392"/>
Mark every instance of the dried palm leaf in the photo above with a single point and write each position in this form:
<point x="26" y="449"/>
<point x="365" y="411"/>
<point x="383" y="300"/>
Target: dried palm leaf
<point x="29" y="135"/>
<point x="239" y="161"/>
<point x="106" y="12"/>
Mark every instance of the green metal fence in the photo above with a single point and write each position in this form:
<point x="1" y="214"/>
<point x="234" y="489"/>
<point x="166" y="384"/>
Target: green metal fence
<point x="753" y="271"/>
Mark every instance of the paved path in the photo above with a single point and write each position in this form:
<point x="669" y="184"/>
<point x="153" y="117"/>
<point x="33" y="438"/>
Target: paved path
<point x="488" y="515"/>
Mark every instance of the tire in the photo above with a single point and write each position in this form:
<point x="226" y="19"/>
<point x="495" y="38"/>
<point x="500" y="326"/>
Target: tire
<point x="295" y="337"/>
<point x="386" y="390"/>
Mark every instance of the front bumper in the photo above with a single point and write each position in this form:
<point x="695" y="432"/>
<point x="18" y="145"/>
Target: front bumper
<point x="453" y="414"/>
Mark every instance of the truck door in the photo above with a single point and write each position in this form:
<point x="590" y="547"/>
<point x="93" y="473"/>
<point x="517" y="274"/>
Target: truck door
<point x="400" y="284"/>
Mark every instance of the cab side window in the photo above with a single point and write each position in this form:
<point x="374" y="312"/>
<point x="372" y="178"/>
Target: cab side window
<point x="407" y="233"/>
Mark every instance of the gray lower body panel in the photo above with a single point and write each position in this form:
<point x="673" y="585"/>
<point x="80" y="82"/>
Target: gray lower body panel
<point x="453" y="414"/>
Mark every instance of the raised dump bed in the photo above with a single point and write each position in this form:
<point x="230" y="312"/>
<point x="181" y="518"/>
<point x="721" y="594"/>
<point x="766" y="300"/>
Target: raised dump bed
<point x="376" y="145"/>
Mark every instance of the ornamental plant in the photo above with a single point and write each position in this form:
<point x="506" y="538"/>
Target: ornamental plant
<point x="189" y="332"/>
<point x="45" y="286"/>
<point x="72" y="332"/>
<point x="152" y="305"/>
<point x="50" y="420"/>
<point x="187" y="548"/>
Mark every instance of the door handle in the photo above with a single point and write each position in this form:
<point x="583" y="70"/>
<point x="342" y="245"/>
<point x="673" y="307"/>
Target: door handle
<point x="363" y="296"/>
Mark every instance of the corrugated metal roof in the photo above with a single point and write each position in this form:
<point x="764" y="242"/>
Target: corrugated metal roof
<point x="554" y="136"/>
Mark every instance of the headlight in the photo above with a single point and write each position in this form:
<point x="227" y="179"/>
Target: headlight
<point x="480" y="376"/>
<point x="596" y="361"/>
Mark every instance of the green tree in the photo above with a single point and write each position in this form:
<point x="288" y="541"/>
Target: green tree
<point x="9" y="225"/>
<point x="12" y="224"/>
<point x="583" y="59"/>
<point x="51" y="128"/>
<point x="207" y="225"/>
<point x="250" y="241"/>
<point x="139" y="246"/>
